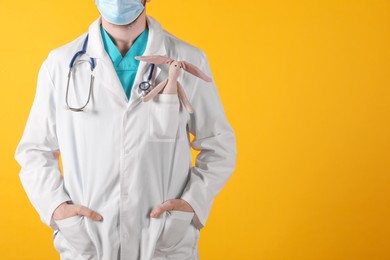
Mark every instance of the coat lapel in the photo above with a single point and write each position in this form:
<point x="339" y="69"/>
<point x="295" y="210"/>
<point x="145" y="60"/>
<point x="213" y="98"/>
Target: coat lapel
<point x="104" y="71"/>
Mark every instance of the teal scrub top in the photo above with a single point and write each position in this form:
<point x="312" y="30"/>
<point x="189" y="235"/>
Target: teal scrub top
<point x="126" y="66"/>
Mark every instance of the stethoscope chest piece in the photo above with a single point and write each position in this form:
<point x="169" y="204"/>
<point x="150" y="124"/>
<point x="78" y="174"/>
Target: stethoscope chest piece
<point x="145" y="86"/>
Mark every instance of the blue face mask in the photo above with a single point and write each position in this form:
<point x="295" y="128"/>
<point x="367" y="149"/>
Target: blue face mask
<point x="120" y="12"/>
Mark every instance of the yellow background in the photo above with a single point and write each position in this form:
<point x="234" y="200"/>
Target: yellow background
<point x="305" y="85"/>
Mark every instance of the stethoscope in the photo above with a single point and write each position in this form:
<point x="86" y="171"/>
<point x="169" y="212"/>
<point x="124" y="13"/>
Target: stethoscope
<point x="144" y="86"/>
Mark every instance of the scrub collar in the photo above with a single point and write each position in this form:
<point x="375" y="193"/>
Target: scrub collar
<point x="126" y="62"/>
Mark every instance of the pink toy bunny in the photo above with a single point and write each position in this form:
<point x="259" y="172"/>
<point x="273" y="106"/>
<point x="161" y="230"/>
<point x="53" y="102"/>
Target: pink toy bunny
<point x="171" y="85"/>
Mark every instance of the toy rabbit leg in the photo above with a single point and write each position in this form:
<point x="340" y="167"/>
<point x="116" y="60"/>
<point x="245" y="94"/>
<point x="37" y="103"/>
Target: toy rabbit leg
<point x="155" y="91"/>
<point x="183" y="98"/>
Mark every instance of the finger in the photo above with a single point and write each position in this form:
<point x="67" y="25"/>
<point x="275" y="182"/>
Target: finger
<point x="167" y="205"/>
<point x="81" y="210"/>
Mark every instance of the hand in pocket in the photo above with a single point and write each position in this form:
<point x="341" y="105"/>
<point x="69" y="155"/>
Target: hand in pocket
<point x="172" y="204"/>
<point x="67" y="209"/>
<point x="70" y="220"/>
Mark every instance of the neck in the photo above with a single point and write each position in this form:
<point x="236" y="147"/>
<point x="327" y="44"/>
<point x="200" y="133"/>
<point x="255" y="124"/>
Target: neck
<point x="124" y="35"/>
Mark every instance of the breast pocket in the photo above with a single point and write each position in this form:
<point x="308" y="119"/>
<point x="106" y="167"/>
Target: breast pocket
<point x="164" y="118"/>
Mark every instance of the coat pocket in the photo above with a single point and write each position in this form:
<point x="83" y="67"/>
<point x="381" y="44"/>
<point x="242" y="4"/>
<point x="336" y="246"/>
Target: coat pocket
<point x="64" y="249"/>
<point x="164" y="117"/>
<point x="74" y="233"/>
<point x="175" y="227"/>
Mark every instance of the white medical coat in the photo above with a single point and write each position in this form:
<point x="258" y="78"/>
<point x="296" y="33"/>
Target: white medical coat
<point x="122" y="158"/>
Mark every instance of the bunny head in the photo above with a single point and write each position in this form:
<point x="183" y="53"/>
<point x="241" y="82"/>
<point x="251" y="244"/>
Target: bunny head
<point x="175" y="66"/>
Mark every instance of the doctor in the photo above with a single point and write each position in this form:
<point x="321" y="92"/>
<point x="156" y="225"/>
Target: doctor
<point x="128" y="189"/>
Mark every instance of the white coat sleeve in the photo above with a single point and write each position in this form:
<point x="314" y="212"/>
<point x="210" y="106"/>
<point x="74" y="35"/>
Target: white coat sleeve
<point x="216" y="141"/>
<point x="37" y="152"/>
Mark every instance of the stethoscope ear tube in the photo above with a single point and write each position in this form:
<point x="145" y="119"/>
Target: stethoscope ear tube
<point x="80" y="109"/>
<point x="71" y="66"/>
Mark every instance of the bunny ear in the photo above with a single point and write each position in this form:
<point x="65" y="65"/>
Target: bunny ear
<point x="156" y="59"/>
<point x="195" y="71"/>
